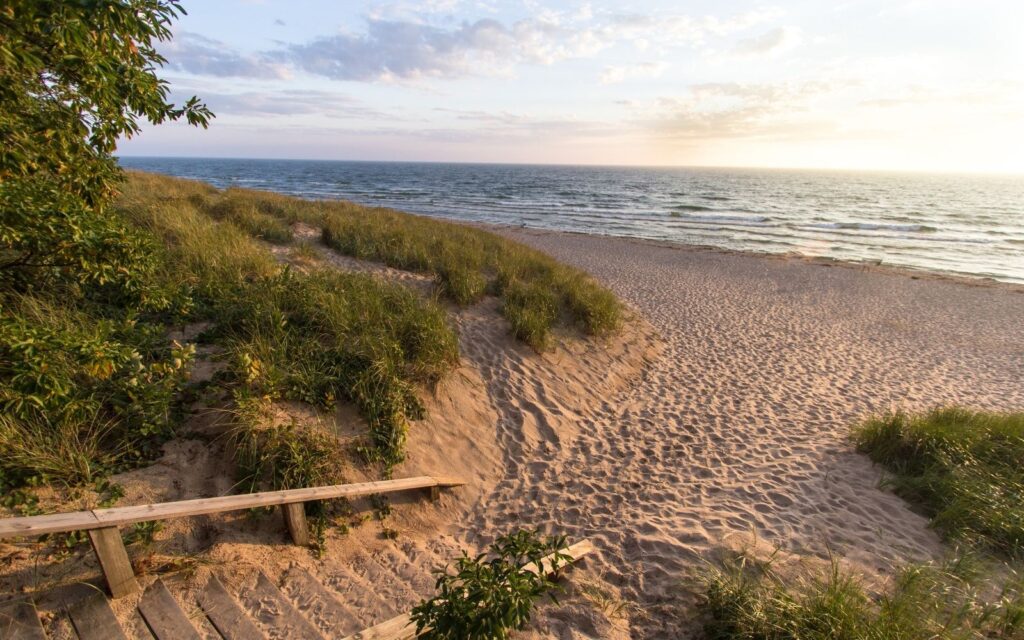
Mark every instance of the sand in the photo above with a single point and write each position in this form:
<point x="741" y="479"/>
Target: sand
<point x="719" y="416"/>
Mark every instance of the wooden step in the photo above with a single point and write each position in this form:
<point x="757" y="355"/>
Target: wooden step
<point x="163" y="616"/>
<point x="272" y="610"/>
<point x="19" y="621"/>
<point x="225" y="614"/>
<point x="91" y="615"/>
<point x="335" y="619"/>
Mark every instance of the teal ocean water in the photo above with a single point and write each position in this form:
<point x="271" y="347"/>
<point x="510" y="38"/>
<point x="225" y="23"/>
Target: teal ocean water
<point x="967" y="225"/>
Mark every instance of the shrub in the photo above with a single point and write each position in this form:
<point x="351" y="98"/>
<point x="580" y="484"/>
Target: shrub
<point x="489" y="597"/>
<point x="962" y="467"/>
<point x="81" y="393"/>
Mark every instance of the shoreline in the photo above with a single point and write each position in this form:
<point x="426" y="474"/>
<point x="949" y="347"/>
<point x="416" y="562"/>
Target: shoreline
<point x="913" y="273"/>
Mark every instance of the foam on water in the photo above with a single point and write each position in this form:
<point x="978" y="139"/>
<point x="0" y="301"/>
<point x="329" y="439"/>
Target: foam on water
<point x="969" y="225"/>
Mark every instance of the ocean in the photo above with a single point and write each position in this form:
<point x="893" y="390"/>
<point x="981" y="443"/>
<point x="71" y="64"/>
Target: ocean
<point x="970" y="225"/>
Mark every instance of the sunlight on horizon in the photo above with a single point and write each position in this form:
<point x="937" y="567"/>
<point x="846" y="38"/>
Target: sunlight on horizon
<point x="917" y="86"/>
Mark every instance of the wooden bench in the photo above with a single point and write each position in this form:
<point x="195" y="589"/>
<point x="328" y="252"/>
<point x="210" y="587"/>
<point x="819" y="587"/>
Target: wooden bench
<point x="102" y="524"/>
<point x="403" y="628"/>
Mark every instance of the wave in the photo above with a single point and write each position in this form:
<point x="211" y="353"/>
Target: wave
<point x="873" y="226"/>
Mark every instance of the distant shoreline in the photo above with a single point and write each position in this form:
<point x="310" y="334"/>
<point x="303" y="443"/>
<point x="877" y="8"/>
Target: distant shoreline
<point x="824" y="261"/>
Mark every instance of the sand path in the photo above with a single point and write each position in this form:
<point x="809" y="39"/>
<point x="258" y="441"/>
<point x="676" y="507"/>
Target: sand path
<point x="739" y="426"/>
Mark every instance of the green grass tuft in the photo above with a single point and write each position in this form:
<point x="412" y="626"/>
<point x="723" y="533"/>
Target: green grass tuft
<point x="963" y="468"/>
<point x="746" y="599"/>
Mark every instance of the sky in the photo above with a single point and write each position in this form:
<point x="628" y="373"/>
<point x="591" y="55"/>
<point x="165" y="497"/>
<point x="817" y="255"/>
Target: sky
<point x="922" y="85"/>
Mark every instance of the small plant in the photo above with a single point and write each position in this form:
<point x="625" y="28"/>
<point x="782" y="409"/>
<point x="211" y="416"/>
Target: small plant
<point x="491" y="595"/>
<point x="143" y="533"/>
<point x="388" y="533"/>
<point x="381" y="506"/>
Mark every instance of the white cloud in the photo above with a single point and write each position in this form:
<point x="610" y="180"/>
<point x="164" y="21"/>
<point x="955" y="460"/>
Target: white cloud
<point x="614" y="74"/>
<point x="773" y="42"/>
<point x="197" y="54"/>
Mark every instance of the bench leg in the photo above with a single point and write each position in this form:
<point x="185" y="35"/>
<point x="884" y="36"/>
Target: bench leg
<point x="117" y="569"/>
<point x="295" y="520"/>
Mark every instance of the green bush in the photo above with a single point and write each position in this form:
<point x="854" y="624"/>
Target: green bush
<point x="749" y="600"/>
<point x="77" y="387"/>
<point x="491" y="595"/>
<point x="962" y="467"/>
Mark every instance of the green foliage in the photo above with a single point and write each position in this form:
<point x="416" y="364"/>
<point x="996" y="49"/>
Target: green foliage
<point x="745" y="599"/>
<point x="962" y="467"/>
<point x="283" y="456"/>
<point x="74" y="78"/>
<point x="87" y="381"/>
<point x="487" y="598"/>
<point x="80" y="394"/>
<point x="536" y="290"/>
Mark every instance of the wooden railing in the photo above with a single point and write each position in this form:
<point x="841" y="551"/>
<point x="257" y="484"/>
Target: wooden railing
<point x="102" y="524"/>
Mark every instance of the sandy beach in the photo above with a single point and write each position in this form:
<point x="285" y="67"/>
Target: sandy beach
<point x="739" y="426"/>
<point x="719" y="418"/>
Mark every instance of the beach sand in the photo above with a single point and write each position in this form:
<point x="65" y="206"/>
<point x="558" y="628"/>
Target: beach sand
<point x="719" y="418"/>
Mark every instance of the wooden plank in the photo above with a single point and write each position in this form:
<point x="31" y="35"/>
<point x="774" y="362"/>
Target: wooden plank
<point x="398" y="628"/>
<point x="40" y="525"/>
<point x="93" y="618"/>
<point x="19" y="621"/>
<point x="117" y="569"/>
<point x="201" y="506"/>
<point x="163" y="616"/>
<point x="277" y="613"/>
<point x="295" y="519"/>
<point x="402" y="627"/>
<point x="225" y="613"/>
<point x="575" y="551"/>
<point x="117" y="516"/>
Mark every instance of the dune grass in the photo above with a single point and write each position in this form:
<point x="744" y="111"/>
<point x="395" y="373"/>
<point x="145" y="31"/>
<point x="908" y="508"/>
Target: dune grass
<point x="316" y="337"/>
<point x="537" y="293"/>
<point x="746" y="599"/>
<point x="964" y="468"/>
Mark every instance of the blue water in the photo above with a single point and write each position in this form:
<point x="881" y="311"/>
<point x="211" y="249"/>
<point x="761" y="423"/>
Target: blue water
<point x="968" y="225"/>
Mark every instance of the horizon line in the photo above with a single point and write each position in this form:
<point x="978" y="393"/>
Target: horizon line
<point x="970" y="172"/>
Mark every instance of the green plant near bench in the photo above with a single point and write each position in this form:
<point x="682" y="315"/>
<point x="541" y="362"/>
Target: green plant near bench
<point x="491" y="595"/>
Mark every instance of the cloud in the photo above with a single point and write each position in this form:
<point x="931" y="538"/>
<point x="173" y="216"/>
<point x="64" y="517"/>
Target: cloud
<point x="398" y="46"/>
<point x="289" y="103"/>
<point x="733" y="110"/>
<point x="775" y="41"/>
<point x="279" y="22"/>
<point x="398" y="49"/>
<point x="613" y="74"/>
<point x="197" y="54"/>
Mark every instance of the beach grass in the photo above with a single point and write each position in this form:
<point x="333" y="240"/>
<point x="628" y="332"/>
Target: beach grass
<point x="537" y="293"/>
<point x="742" y="598"/>
<point x="963" y="468"/>
<point x="316" y="337"/>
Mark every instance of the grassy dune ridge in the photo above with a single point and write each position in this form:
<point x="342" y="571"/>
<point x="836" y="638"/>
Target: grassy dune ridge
<point x="537" y="293"/>
<point x="90" y="384"/>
